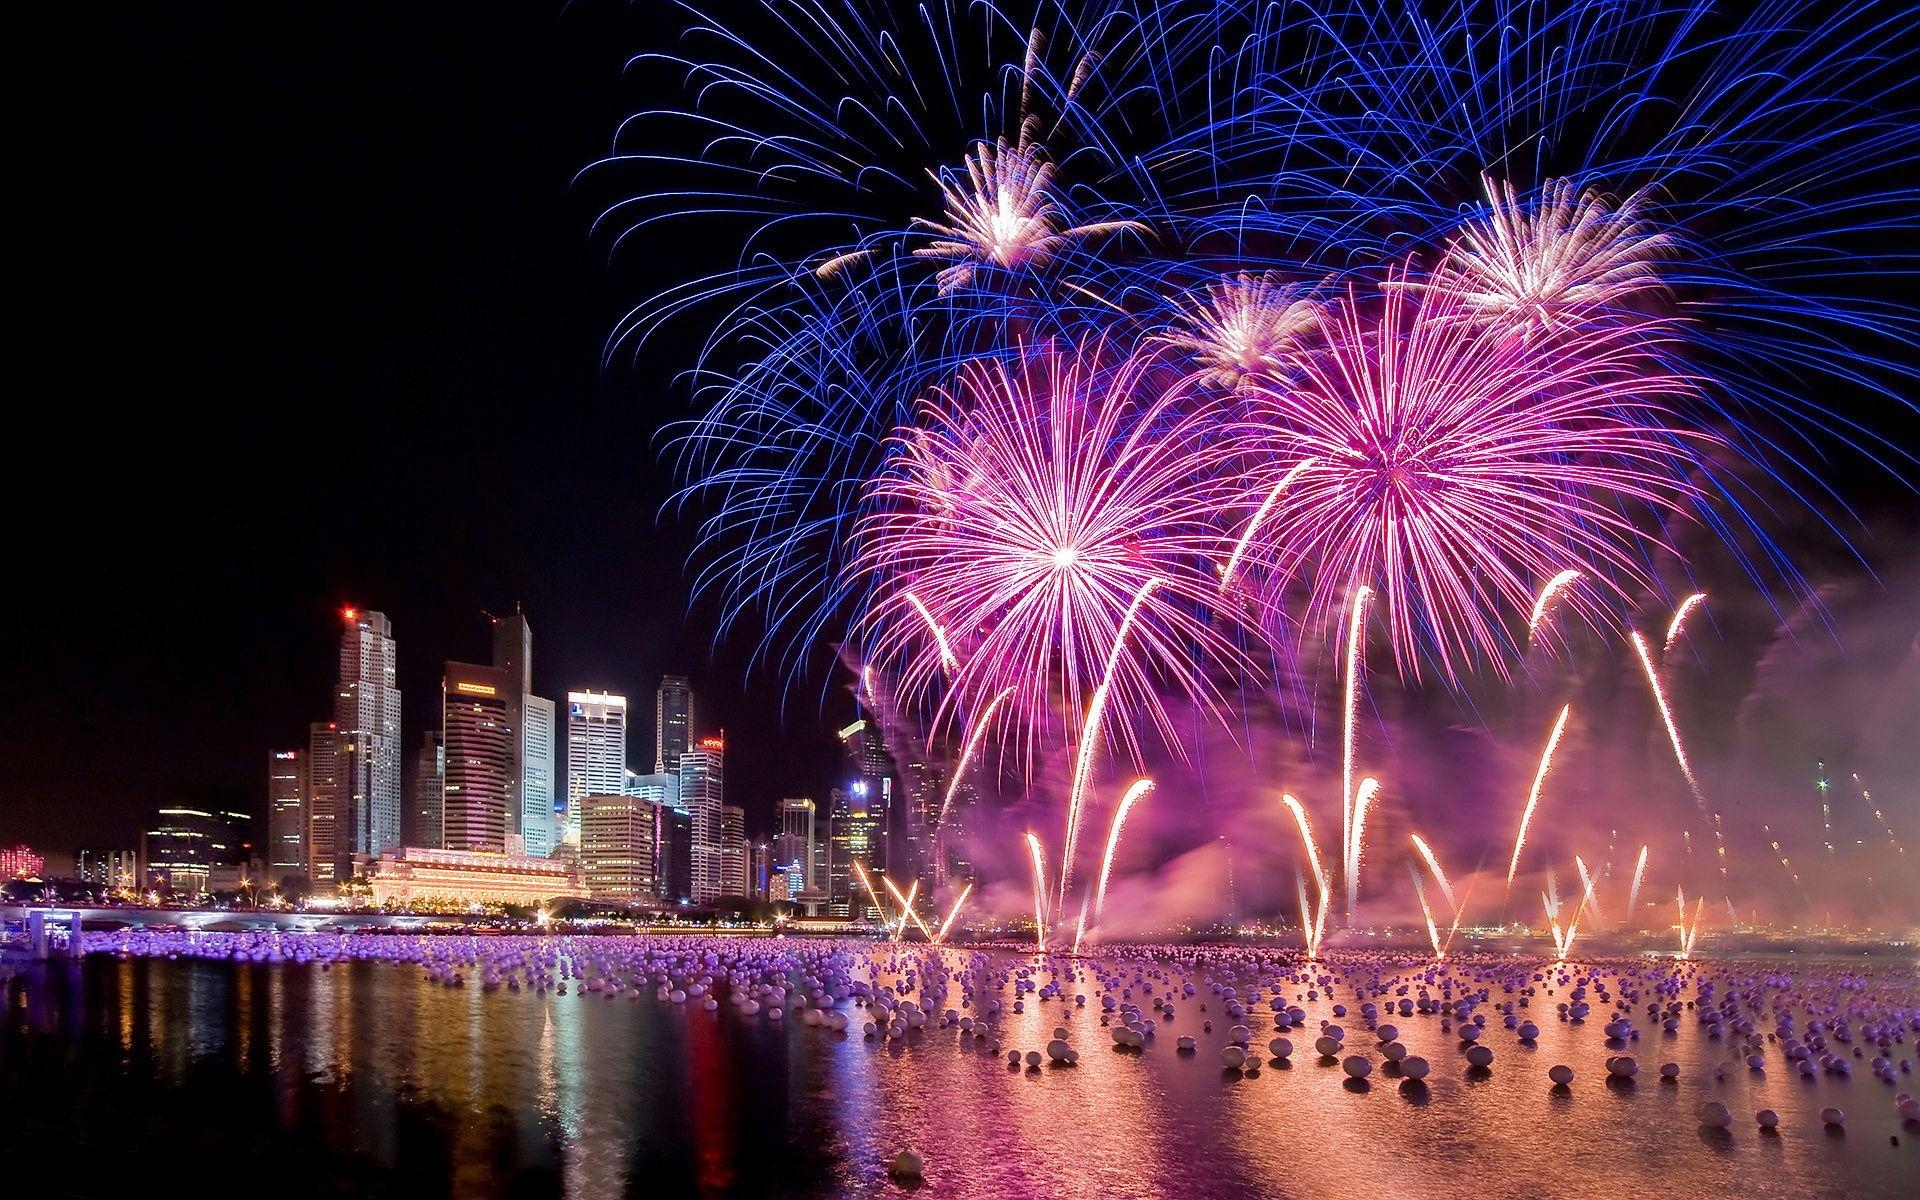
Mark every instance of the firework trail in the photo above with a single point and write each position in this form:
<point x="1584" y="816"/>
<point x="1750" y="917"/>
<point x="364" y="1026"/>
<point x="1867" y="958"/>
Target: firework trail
<point x="1253" y="522"/>
<point x="1135" y="793"/>
<point x="1090" y="739"/>
<point x="954" y="912"/>
<point x="1678" y="625"/>
<point x="1590" y="893"/>
<point x="1362" y="804"/>
<point x="1433" y="864"/>
<point x="1313" y="918"/>
<point x="1426" y="910"/>
<point x="981" y="724"/>
<point x="1039" y="893"/>
<point x="1679" y="750"/>
<point x="1688" y="930"/>
<point x="947" y="658"/>
<point x="1826" y="807"/>
<point x="1533" y="793"/>
<point x="1547" y="595"/>
<point x="1633" y="890"/>
<point x="1356" y="662"/>
<point x="906" y="906"/>
<point x="1885" y="826"/>
<point x="874" y="896"/>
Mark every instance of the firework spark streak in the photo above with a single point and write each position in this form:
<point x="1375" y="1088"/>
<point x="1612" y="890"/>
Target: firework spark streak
<point x="1244" y="326"/>
<point x="1039" y="893"/>
<point x="1678" y="625"/>
<point x="1433" y="864"/>
<point x="1356" y="661"/>
<point x="1547" y="596"/>
<point x="1689" y="931"/>
<point x="1533" y="793"/>
<point x="1313" y="918"/>
<point x="1426" y="910"/>
<point x="906" y="905"/>
<point x="1135" y="793"/>
<point x="873" y="896"/>
<point x="1362" y="804"/>
<point x="981" y="724"/>
<point x="1679" y="749"/>
<point x="954" y="912"/>
<point x="947" y="658"/>
<point x="1253" y="522"/>
<point x="1090" y="737"/>
<point x="1633" y="891"/>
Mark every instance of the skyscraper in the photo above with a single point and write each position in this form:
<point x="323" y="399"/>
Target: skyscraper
<point x="661" y="788"/>
<point x="286" y="814"/>
<point x="327" y="864"/>
<point x="795" y="843"/>
<point x="672" y="722"/>
<point x="531" y="823"/>
<point x="479" y="757"/>
<point x="618" y="850"/>
<point x="703" y="794"/>
<point x="857" y="838"/>
<point x="596" y="751"/>
<point x="353" y="783"/>
<point x="735" y="855"/>
<point x="426" y="793"/>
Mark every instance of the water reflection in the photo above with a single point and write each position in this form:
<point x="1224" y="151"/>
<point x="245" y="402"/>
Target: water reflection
<point x="405" y="1087"/>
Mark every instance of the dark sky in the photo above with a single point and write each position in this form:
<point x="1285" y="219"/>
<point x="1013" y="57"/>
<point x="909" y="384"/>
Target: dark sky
<point x="337" y="327"/>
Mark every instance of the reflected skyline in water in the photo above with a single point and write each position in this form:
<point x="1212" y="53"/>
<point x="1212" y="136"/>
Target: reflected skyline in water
<point x="467" y="1092"/>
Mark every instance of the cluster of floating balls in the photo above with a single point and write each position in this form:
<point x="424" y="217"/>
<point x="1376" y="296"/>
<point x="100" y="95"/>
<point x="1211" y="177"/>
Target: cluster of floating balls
<point x="1819" y="1026"/>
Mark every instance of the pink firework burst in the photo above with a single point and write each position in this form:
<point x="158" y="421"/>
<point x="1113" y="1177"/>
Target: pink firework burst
<point x="1002" y="214"/>
<point x="1562" y="260"/>
<point x="1450" y="464"/>
<point x="1242" y="326"/>
<point x="1045" y="544"/>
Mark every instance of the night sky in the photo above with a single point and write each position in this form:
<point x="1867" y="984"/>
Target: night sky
<point x="339" y="324"/>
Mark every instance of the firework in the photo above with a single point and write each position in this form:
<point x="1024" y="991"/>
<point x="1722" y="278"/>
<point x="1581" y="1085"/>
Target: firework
<point x="1362" y="804"/>
<point x="1356" y="662"/>
<point x="1426" y="910"/>
<point x="1002" y="215"/>
<point x="1689" y="930"/>
<point x="1533" y="793"/>
<point x="1454" y="464"/>
<point x="1090" y="740"/>
<point x="1679" y="749"/>
<point x="874" y="896"/>
<point x="1243" y="326"/>
<point x="1554" y="264"/>
<point x="1056" y="519"/>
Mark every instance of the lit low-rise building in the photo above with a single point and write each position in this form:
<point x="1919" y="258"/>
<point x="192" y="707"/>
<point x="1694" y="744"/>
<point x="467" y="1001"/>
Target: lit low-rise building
<point x="455" y="880"/>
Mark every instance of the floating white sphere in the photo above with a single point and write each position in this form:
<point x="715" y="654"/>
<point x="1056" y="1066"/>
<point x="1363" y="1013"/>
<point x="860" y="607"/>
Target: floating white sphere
<point x="1767" y="1118"/>
<point x="1357" y="1066"/>
<point x="1480" y="1056"/>
<point x="1280" y="1047"/>
<point x="1560" y="1073"/>
<point x="1233" y="1058"/>
<point x="1415" y="1067"/>
<point x="1714" y="1115"/>
<point x="1833" y="1117"/>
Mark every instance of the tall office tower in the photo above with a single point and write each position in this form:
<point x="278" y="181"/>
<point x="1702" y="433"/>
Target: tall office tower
<point x="326" y="797"/>
<point x="479" y="757"/>
<point x="872" y="785"/>
<point x="531" y="824"/>
<point x="286" y="814"/>
<point x="795" y="843"/>
<point x="761" y="878"/>
<point x="702" y="794"/>
<point x="366" y="703"/>
<point x="618" y="847"/>
<point x="672" y="722"/>
<point x="661" y="788"/>
<point x="673" y="842"/>
<point x="426" y="793"/>
<point x="911" y="852"/>
<point x="596" y="752"/>
<point x="857" y="837"/>
<point x="539" y="824"/>
<point x="735" y="863"/>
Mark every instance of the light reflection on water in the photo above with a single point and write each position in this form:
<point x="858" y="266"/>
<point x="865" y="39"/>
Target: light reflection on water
<point x="602" y="1097"/>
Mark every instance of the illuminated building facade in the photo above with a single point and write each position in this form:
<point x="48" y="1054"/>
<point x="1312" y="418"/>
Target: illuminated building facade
<point x="479" y="757"/>
<point x="329" y="855"/>
<point x="185" y="848"/>
<point x="735" y="857"/>
<point x="531" y="824"/>
<point x="596" y="752"/>
<point x="672" y="723"/>
<point x="111" y="870"/>
<point x="795" y="844"/>
<point x="286" y="814"/>
<point x="458" y="880"/>
<point x="366" y="710"/>
<point x="20" y="862"/>
<point x="703" y="795"/>
<point x="619" y="847"/>
<point x="858" y="837"/>
<point x="427" y="793"/>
